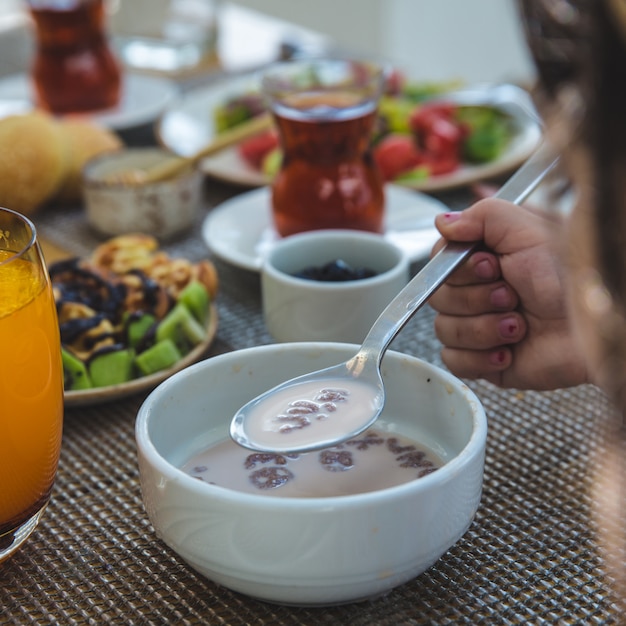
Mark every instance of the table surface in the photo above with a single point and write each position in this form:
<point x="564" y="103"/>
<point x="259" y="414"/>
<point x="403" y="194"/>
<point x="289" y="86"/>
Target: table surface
<point x="528" y="558"/>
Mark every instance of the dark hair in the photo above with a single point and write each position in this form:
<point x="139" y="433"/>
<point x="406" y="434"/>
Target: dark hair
<point x="555" y="31"/>
<point x="581" y="43"/>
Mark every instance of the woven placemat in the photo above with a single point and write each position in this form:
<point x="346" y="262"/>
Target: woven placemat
<point x="528" y="558"/>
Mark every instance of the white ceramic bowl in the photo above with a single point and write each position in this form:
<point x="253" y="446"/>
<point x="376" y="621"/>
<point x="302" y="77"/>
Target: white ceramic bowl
<point x="162" y="209"/>
<point x="299" y="309"/>
<point x="309" y="551"/>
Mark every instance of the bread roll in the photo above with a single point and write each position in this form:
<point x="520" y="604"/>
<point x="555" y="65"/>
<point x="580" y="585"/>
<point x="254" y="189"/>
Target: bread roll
<point x="33" y="160"/>
<point x="84" y="140"/>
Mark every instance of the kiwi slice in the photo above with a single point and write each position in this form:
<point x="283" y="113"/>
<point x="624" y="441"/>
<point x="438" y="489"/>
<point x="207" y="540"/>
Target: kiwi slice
<point x="182" y="328"/>
<point x="111" y="365"/>
<point x="75" y="374"/>
<point x="196" y="298"/>
<point x="137" y="326"/>
<point x="159" y="357"/>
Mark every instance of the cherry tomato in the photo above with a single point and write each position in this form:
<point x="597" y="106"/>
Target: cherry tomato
<point x="422" y="117"/>
<point x="439" y="135"/>
<point x="255" y="149"/>
<point x="442" y="139"/>
<point x="396" y="154"/>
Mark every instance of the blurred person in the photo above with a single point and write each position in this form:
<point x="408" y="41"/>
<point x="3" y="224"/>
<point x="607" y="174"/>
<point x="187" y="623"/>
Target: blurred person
<point x="542" y="304"/>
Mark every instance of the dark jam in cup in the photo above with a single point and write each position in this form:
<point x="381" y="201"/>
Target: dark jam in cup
<point x="74" y="70"/>
<point x="328" y="178"/>
<point x="335" y="271"/>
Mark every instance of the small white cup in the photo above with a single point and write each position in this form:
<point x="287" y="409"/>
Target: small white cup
<point x="299" y="309"/>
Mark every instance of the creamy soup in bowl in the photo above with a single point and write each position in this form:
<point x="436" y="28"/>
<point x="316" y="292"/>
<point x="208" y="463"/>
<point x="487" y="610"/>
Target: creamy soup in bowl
<point x="374" y="460"/>
<point x="311" y="547"/>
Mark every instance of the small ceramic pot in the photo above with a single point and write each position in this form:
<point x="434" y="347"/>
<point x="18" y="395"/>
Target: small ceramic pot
<point x="162" y="209"/>
<point x="300" y="309"/>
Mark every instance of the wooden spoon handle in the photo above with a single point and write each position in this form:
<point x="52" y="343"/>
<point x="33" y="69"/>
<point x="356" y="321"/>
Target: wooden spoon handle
<point x="171" y="167"/>
<point x="253" y="126"/>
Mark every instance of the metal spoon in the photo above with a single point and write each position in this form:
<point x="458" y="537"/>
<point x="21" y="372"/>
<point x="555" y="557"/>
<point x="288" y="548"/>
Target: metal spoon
<point x="364" y="366"/>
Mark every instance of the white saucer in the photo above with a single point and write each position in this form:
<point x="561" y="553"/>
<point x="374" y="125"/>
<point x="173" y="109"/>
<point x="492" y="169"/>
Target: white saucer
<point x="240" y="230"/>
<point x="143" y="99"/>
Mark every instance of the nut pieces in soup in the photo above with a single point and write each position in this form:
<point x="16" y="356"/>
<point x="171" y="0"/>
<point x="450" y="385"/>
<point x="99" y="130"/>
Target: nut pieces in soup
<point x="377" y="459"/>
<point x="129" y="310"/>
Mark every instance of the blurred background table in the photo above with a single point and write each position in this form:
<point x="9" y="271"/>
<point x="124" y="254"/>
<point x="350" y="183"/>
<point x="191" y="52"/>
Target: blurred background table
<point x="530" y="556"/>
<point x="480" y="42"/>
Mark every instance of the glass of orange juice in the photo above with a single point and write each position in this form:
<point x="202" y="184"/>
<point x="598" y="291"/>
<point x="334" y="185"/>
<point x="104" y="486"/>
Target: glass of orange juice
<point x="31" y="382"/>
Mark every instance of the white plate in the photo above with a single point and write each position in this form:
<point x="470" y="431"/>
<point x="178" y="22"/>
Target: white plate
<point x="187" y="125"/>
<point x="240" y="230"/>
<point x="143" y="99"/>
<point x="98" y="395"/>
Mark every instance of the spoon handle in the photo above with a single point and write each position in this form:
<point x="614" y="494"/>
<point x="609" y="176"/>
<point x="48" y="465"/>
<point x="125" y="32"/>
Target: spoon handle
<point x="436" y="271"/>
<point x="170" y="167"/>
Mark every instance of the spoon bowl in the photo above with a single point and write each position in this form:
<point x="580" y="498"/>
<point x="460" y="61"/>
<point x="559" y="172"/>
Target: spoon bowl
<point x="356" y="382"/>
<point x="327" y="407"/>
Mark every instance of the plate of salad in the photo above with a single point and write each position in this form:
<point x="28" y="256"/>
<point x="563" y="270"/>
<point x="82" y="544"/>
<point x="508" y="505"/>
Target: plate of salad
<point x="429" y="136"/>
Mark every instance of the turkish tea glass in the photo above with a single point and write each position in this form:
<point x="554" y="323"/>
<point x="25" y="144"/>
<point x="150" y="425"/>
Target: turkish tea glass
<point x="326" y="111"/>
<point x="74" y="69"/>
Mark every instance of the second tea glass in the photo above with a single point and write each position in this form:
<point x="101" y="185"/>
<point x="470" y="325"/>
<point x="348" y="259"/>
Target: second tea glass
<point x="74" y="69"/>
<point x="325" y="111"/>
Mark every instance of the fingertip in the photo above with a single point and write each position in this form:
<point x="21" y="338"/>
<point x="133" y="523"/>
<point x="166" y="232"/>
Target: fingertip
<point x="501" y="358"/>
<point x="485" y="266"/>
<point x="465" y="225"/>
<point x="489" y="365"/>
<point x="444" y="220"/>
<point x="512" y="328"/>
<point x="502" y="298"/>
<point x="451" y="216"/>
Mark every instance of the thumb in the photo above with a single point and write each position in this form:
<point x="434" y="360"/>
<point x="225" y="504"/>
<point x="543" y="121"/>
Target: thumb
<point x="500" y="225"/>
